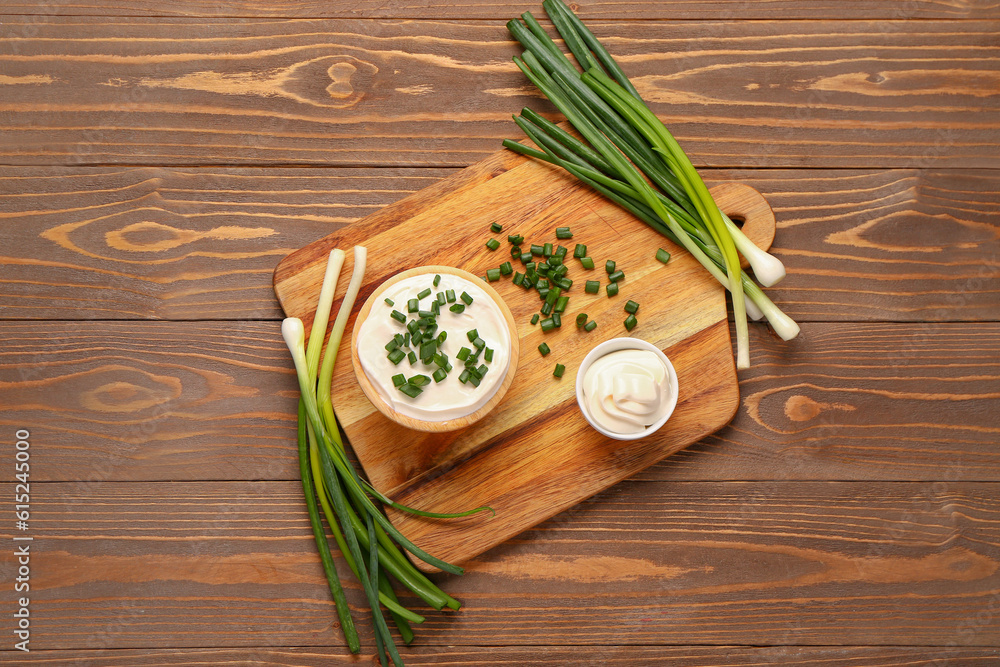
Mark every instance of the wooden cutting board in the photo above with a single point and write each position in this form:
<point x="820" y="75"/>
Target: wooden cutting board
<point x="534" y="455"/>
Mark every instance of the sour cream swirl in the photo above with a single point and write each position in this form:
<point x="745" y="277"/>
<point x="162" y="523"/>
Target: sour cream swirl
<point x="627" y="390"/>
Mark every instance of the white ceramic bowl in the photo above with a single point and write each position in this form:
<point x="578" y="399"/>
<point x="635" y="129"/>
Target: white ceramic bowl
<point x="614" y="345"/>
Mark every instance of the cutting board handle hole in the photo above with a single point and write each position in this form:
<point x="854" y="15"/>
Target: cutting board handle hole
<point x="738" y="220"/>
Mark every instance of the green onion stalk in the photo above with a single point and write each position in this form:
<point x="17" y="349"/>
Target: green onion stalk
<point x="372" y="548"/>
<point x="629" y="156"/>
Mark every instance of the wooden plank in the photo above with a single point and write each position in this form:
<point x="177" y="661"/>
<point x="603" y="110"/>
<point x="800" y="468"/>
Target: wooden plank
<point x="213" y="564"/>
<point x="683" y="313"/>
<point x="487" y="9"/>
<point x="110" y="401"/>
<point x="177" y="243"/>
<point x="536" y="656"/>
<point x="355" y="92"/>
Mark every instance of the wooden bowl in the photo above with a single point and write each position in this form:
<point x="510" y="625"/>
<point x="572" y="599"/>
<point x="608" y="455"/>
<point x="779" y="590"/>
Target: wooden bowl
<point x="420" y="424"/>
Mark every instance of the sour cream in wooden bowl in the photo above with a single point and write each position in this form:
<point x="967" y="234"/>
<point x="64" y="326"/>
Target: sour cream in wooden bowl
<point x="449" y="381"/>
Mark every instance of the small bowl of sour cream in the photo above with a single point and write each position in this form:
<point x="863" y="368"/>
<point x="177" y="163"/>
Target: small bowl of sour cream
<point x="626" y="388"/>
<point x="434" y="348"/>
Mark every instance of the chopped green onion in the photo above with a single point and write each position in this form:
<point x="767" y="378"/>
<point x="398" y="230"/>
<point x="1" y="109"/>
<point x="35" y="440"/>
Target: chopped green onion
<point x="534" y="318"/>
<point x="560" y="251"/>
<point x="441" y="359"/>
<point x="663" y="255"/>
<point x="554" y="261"/>
<point x="396" y="356"/>
<point x="544" y="349"/>
<point x="410" y="390"/>
<point x="616" y="276"/>
<point x="449" y="295"/>
<point x="590" y="326"/>
<point x="559" y="370"/>
<point x="609" y="266"/>
<point x="439" y="374"/>
<point x="518" y="278"/>
<point x="515" y="239"/>
<point x="561" y="304"/>
<point x="581" y="319"/>
<point x="412" y="306"/>
<point x="463" y="377"/>
<point x="398" y="316"/>
<point x="481" y="371"/>
<point x="398" y="380"/>
<point x="440" y="298"/>
<point x="592" y="286"/>
<point x="515" y="252"/>
<point x="479" y="343"/>
<point x="548" y="324"/>
<point x="424" y="293"/>
<point x="457" y="307"/>
<point x="399" y="339"/>
<point x="488" y="354"/>
<point x="630" y="322"/>
<point x="492" y="244"/>
<point x="437" y="280"/>
<point x="496" y="228"/>
<point x="389" y="302"/>
<point x="557" y="319"/>
<point x="546" y="309"/>
<point x="537" y="249"/>
<point x="543" y="268"/>
<point x="466" y="298"/>
<point x="547" y="250"/>
<point x="412" y="357"/>
<point x="587" y="262"/>
<point x="391" y="345"/>
<point x="426" y="314"/>
<point x="472" y="335"/>
<point x="525" y="258"/>
<point x="419" y="380"/>
<point x="474" y="379"/>
<point x="493" y="275"/>
<point x="463" y="354"/>
<point x="564" y="283"/>
<point x="631" y="307"/>
<point x="560" y="271"/>
<point x="428" y="350"/>
<point x="563" y="233"/>
<point x="506" y="269"/>
<point x="612" y="289"/>
<point x="580" y="251"/>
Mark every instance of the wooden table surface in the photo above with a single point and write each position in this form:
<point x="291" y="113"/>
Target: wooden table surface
<point x="157" y="159"/>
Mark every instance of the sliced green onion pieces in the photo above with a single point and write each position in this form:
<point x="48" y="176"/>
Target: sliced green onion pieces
<point x="563" y="233"/>
<point x="559" y="370"/>
<point x="590" y="326"/>
<point x="544" y="349"/>
<point x="592" y="286"/>
<point x="581" y="319"/>
<point x="630" y="322"/>
<point x="466" y="298"/>
<point x="612" y="289"/>
<point x="424" y="293"/>
<point x="587" y="262"/>
<point x="496" y="228"/>
<point x="616" y="276"/>
<point x="631" y="307"/>
<point x="492" y="244"/>
<point x="663" y="255"/>
<point x="609" y="266"/>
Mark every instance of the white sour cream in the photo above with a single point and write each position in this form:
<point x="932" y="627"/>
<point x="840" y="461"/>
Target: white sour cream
<point x="627" y="390"/>
<point x="450" y="398"/>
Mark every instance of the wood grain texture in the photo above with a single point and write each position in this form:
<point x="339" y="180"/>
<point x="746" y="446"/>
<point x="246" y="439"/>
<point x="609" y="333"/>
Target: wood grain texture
<point x="193" y="565"/>
<point x="536" y="656"/>
<point x="354" y="92"/>
<point x="486" y="9"/>
<point x="175" y="243"/>
<point x="187" y="401"/>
